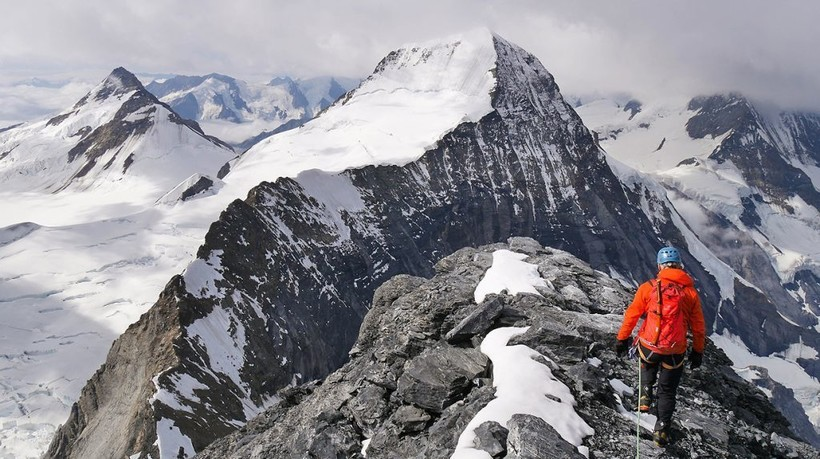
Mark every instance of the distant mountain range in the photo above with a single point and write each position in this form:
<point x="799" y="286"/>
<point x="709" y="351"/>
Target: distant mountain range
<point x="281" y="104"/>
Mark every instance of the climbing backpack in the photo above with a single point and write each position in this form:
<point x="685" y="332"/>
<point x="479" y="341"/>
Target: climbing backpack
<point x="664" y="325"/>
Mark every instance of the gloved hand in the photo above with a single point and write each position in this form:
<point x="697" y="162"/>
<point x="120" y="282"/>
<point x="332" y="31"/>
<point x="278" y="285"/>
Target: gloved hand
<point x="695" y="359"/>
<point x="621" y="346"/>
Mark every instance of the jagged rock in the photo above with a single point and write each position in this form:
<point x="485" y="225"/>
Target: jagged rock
<point x="410" y="419"/>
<point x="369" y="407"/>
<point x="439" y="376"/>
<point x="491" y="437"/>
<point x="530" y="437"/>
<point x="478" y="321"/>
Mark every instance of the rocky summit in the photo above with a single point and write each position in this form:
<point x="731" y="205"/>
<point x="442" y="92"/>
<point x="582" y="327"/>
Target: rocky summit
<point x="420" y="373"/>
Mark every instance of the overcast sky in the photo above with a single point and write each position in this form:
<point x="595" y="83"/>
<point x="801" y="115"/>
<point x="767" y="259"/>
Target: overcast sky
<point x="767" y="50"/>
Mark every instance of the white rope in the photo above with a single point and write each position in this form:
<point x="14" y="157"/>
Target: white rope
<point x="638" y="429"/>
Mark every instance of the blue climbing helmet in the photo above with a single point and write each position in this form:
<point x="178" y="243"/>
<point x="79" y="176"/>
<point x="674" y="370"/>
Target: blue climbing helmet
<point x="668" y="255"/>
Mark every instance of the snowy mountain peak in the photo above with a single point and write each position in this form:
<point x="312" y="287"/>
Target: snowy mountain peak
<point x="460" y="62"/>
<point x="242" y="112"/>
<point x="119" y="82"/>
<point x="417" y="93"/>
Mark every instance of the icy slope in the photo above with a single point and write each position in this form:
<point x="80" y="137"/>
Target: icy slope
<point x="648" y="137"/>
<point x="83" y="250"/>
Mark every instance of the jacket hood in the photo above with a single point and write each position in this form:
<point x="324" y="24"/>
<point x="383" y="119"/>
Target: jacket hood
<point x="677" y="276"/>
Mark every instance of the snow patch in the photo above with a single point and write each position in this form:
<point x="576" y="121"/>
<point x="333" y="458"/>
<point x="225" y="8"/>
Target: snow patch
<point x="201" y="276"/>
<point x="523" y="385"/>
<point x="365" y="444"/>
<point x="510" y="273"/>
<point x="620" y="387"/>
<point x="170" y="440"/>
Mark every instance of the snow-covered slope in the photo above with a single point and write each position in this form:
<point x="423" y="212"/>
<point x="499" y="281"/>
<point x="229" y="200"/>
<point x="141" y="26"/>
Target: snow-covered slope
<point x="236" y="110"/>
<point x="744" y="182"/>
<point x="84" y="250"/>
<point x="415" y="95"/>
<point x="649" y="137"/>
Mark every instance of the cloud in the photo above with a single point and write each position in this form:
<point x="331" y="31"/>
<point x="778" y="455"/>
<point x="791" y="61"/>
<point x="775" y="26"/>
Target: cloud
<point x="647" y="48"/>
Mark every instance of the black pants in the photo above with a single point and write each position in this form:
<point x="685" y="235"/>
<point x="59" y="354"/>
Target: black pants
<point x="667" y="370"/>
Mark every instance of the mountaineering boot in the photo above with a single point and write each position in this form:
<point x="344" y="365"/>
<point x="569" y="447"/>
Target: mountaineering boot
<point x="644" y="403"/>
<point x="661" y="434"/>
<point x="661" y="438"/>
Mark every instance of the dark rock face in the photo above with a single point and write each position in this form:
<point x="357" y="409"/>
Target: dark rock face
<point x="783" y="398"/>
<point x="719" y="414"/>
<point x="201" y="185"/>
<point x="633" y="107"/>
<point x="752" y="310"/>
<point x="124" y="416"/>
<point x="716" y="115"/>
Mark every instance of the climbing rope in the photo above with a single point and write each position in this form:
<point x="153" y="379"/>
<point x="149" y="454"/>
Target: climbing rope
<point x="633" y="354"/>
<point x="638" y="429"/>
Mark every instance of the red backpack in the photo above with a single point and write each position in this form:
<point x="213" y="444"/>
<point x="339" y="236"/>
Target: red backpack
<point x="664" y="325"/>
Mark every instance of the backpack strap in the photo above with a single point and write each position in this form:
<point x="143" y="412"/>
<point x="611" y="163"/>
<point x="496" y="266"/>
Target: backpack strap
<point x="657" y="285"/>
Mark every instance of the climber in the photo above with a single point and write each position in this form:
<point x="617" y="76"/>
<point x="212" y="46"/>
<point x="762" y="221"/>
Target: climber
<point x="669" y="306"/>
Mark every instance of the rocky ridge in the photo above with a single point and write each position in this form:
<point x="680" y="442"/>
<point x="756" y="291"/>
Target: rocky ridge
<point x="416" y="377"/>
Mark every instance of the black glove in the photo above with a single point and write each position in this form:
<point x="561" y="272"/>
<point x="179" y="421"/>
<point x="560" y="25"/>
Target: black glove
<point x="695" y="359"/>
<point x="621" y="346"/>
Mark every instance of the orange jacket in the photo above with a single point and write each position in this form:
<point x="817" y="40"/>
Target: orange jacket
<point x="693" y="314"/>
